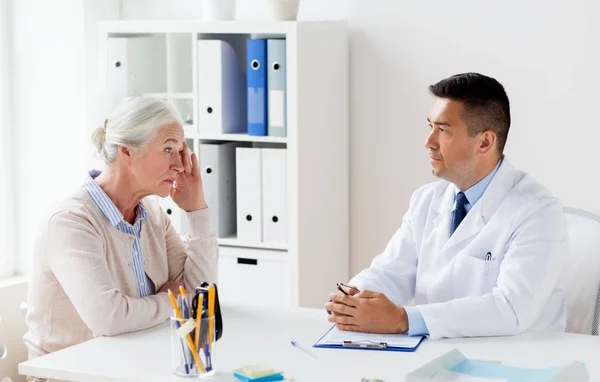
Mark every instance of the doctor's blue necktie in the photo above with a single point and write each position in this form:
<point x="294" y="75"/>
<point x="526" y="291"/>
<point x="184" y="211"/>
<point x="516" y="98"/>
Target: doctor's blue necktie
<point x="460" y="212"/>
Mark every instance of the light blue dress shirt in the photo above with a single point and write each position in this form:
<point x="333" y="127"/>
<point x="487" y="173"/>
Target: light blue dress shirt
<point x="416" y="323"/>
<point x="115" y="217"/>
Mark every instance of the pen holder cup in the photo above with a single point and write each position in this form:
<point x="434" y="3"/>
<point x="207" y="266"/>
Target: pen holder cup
<point x="193" y="347"/>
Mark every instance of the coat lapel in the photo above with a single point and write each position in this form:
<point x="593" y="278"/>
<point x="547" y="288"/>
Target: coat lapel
<point x="441" y="206"/>
<point x="483" y="210"/>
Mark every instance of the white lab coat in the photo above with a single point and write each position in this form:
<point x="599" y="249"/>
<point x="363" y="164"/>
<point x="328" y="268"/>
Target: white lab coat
<point x="458" y="291"/>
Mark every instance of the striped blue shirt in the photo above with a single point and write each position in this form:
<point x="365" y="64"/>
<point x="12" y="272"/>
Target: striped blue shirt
<point x="115" y="217"/>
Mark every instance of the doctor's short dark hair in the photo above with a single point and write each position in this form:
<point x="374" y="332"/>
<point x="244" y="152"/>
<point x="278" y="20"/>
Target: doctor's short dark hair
<point x="486" y="105"/>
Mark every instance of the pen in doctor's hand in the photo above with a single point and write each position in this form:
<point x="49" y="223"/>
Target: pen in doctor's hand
<point x="353" y="290"/>
<point x="340" y="286"/>
<point x="297" y="345"/>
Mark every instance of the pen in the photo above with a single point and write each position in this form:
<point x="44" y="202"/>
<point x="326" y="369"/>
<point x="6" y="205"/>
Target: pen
<point x="340" y="285"/>
<point x="187" y="314"/>
<point x="198" y="321"/>
<point x="297" y="345"/>
<point x="189" y="338"/>
<point x="183" y="352"/>
<point x="211" y="318"/>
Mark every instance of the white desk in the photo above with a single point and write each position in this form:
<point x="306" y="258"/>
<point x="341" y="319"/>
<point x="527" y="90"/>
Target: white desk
<point x="261" y="336"/>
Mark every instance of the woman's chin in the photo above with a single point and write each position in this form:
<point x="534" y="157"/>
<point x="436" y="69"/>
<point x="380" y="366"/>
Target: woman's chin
<point x="163" y="192"/>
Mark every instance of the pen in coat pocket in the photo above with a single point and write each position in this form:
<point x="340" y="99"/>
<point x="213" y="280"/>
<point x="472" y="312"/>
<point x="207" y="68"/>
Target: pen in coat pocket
<point x="488" y="259"/>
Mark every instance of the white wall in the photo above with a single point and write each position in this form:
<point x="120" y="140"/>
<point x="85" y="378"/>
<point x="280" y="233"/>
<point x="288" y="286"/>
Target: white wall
<point x="7" y="229"/>
<point x="49" y="110"/>
<point x="544" y="52"/>
<point x="55" y="65"/>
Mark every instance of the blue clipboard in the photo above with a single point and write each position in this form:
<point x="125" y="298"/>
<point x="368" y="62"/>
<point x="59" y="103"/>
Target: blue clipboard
<point x="411" y="344"/>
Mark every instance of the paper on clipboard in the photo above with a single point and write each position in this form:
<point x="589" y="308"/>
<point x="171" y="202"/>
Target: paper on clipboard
<point x="336" y="337"/>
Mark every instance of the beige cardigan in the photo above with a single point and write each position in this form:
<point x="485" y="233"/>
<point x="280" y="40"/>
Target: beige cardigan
<point x="83" y="285"/>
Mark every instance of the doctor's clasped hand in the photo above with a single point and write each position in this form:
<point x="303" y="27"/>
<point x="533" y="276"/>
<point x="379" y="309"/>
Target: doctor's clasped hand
<point x="366" y="311"/>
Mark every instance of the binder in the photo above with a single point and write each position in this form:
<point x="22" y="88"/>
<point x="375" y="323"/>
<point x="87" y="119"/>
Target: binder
<point x="339" y="339"/>
<point x="249" y="194"/>
<point x="276" y="81"/>
<point x="118" y="68"/>
<point x="134" y="68"/>
<point x="217" y="166"/>
<point x="177" y="216"/>
<point x="274" y="195"/>
<point x="256" y="71"/>
<point x="221" y="93"/>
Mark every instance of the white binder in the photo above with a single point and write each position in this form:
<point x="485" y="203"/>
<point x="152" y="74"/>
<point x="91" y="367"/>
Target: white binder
<point x="249" y="194"/>
<point x="176" y="214"/>
<point x="135" y="67"/>
<point x="274" y="195"/>
<point x="221" y="89"/>
<point x="217" y="166"/>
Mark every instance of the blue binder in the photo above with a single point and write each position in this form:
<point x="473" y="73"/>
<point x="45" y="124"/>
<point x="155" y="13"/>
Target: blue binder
<point x="381" y="342"/>
<point x="256" y="74"/>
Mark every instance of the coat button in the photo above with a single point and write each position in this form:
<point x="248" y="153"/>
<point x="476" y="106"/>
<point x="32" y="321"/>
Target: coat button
<point x="145" y="262"/>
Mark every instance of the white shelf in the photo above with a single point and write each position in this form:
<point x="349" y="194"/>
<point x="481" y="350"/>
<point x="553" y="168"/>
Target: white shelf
<point x="316" y="254"/>
<point x="143" y="27"/>
<point x="233" y="241"/>
<point x="238" y="138"/>
<point x="170" y="95"/>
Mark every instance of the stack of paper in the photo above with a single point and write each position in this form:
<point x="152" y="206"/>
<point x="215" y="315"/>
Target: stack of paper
<point x="258" y="373"/>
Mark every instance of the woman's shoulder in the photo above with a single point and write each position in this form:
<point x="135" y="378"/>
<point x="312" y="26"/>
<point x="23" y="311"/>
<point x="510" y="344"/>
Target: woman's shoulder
<point x="77" y="206"/>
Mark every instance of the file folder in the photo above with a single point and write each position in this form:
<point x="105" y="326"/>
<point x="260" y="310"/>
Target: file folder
<point x="221" y="89"/>
<point x="177" y="216"/>
<point x="118" y="68"/>
<point x="134" y="68"/>
<point x="339" y="339"/>
<point x="249" y="194"/>
<point x="274" y="195"/>
<point x="217" y="167"/>
<point x="256" y="72"/>
<point x="276" y="81"/>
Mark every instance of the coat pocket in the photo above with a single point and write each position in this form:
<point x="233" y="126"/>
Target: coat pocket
<point x="473" y="276"/>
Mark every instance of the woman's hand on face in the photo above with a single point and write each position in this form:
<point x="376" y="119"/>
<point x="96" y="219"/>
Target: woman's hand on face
<point x="187" y="192"/>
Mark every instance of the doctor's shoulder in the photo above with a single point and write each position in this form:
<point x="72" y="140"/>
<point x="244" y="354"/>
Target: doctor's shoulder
<point x="427" y="192"/>
<point x="531" y="197"/>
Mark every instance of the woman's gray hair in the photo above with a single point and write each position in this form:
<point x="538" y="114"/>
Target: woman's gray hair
<point x="132" y="124"/>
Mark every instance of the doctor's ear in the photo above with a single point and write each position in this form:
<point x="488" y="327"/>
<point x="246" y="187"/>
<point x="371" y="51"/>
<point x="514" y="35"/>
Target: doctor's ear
<point x="487" y="141"/>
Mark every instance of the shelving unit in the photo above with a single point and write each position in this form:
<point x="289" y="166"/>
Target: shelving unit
<point x="239" y="138"/>
<point x="304" y="270"/>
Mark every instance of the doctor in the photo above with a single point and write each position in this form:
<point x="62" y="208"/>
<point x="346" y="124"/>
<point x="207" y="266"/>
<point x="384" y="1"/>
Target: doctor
<point x="481" y="250"/>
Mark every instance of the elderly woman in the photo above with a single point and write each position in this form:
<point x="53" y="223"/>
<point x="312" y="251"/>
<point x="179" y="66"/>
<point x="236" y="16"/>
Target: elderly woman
<point x="109" y="253"/>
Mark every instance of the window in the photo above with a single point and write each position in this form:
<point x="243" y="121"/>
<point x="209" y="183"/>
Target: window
<point x="7" y="192"/>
